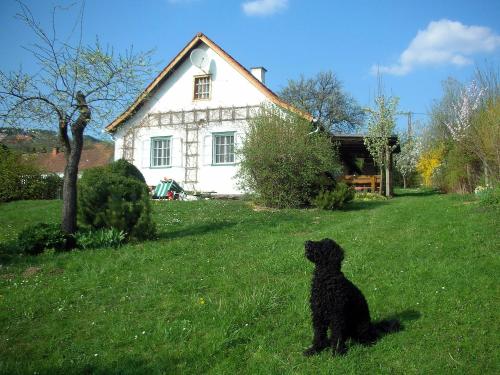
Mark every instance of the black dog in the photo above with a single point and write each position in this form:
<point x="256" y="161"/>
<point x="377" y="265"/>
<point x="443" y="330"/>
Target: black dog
<point x="336" y="303"/>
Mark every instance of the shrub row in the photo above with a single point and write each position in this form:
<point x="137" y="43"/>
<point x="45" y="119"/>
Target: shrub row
<point x="19" y="179"/>
<point x="37" y="238"/>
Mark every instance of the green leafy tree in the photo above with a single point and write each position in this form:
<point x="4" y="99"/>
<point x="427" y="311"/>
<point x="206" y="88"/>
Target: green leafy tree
<point x="74" y="86"/>
<point x="483" y="140"/>
<point x="381" y="124"/>
<point x="281" y="160"/>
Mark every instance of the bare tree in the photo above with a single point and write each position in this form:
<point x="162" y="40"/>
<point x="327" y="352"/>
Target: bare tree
<point x="76" y="85"/>
<point x="324" y="97"/>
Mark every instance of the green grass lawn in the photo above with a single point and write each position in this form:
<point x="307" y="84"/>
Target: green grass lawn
<point x="225" y="290"/>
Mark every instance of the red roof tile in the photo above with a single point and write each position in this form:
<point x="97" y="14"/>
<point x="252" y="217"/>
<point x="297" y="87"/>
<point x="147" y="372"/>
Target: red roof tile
<point x="98" y="155"/>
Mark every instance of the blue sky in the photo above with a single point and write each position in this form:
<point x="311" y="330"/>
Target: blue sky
<point x="415" y="44"/>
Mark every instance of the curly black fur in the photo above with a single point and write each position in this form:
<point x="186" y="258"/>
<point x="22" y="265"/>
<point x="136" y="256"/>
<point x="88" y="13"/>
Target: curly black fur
<point x="336" y="303"/>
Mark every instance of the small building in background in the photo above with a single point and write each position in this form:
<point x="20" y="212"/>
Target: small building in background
<point x="97" y="155"/>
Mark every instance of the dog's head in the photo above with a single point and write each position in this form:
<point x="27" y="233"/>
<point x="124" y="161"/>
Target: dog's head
<point x="324" y="253"/>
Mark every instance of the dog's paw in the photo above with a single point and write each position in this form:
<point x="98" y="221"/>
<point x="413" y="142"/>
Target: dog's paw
<point x="340" y="351"/>
<point x="311" y="351"/>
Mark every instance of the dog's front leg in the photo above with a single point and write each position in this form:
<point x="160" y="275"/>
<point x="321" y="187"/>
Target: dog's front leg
<point x="338" y="335"/>
<point x="320" y="340"/>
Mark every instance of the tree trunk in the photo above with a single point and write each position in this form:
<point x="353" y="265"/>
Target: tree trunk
<point x="381" y="187"/>
<point x="69" y="200"/>
<point x="73" y="153"/>
<point x="404" y="182"/>
<point x="388" y="185"/>
<point x="69" y="209"/>
<point x="486" y="175"/>
<point x="468" y="184"/>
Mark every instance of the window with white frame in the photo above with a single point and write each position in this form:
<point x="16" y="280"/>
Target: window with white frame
<point x="223" y="151"/>
<point x="160" y="151"/>
<point x="202" y="87"/>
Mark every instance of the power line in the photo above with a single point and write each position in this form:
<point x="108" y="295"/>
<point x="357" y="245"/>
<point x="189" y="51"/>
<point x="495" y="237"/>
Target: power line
<point x="408" y="114"/>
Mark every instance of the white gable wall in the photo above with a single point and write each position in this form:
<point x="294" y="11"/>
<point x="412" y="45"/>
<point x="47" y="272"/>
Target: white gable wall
<point x="228" y="88"/>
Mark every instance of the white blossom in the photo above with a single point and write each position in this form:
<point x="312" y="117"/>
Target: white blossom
<point x="463" y="110"/>
<point x="406" y="160"/>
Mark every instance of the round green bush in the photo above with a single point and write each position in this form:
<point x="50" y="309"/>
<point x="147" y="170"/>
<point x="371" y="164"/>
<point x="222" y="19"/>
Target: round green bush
<point x="110" y="200"/>
<point x="8" y="251"/>
<point x="334" y="199"/>
<point x="126" y="169"/>
<point x="34" y="239"/>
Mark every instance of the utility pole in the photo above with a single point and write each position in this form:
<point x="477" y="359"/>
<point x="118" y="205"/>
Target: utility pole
<point x="409" y="125"/>
<point x="409" y="115"/>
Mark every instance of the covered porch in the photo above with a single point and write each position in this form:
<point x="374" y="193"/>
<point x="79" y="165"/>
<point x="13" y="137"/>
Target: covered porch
<point x="359" y="168"/>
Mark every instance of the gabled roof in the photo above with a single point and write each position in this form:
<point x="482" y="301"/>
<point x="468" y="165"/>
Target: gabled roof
<point x="136" y="105"/>
<point x="54" y="162"/>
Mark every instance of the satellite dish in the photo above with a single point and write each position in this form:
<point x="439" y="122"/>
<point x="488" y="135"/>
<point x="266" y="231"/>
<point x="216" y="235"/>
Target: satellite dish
<point x="199" y="58"/>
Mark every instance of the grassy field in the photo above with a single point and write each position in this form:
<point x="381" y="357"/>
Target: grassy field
<point x="225" y="290"/>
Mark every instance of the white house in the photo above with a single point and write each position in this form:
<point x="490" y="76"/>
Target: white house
<point x="188" y="122"/>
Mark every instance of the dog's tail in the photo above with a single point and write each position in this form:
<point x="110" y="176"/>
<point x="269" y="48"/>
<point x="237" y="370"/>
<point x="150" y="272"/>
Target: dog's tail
<point x="385" y="327"/>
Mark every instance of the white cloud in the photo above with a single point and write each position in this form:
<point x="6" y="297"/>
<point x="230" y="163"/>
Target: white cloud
<point x="264" y="7"/>
<point x="443" y="42"/>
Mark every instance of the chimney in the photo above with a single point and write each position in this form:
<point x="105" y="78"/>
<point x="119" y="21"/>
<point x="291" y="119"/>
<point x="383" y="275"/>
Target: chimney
<point x="55" y="151"/>
<point x="259" y="73"/>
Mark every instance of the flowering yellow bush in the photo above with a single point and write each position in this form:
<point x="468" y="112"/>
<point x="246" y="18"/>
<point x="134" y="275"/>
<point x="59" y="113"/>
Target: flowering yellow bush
<point x="428" y="163"/>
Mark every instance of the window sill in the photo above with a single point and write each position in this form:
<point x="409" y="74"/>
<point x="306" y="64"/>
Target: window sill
<point x="223" y="164"/>
<point x="160" y="167"/>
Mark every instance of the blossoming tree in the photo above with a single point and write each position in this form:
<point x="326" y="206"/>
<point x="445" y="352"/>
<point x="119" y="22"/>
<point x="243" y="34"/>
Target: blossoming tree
<point x="463" y="110"/>
<point x="406" y="161"/>
<point x="381" y="124"/>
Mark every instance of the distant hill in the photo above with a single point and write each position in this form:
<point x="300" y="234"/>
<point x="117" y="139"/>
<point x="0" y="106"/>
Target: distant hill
<point x="32" y="141"/>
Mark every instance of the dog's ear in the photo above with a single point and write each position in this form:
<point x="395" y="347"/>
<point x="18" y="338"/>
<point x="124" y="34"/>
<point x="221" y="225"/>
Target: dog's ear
<point x="332" y="253"/>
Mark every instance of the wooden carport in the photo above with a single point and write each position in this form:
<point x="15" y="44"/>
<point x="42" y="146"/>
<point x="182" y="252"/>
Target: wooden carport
<point x="359" y="167"/>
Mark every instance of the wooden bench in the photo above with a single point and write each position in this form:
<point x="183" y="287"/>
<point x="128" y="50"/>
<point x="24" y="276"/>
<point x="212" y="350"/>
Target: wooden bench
<point x="363" y="182"/>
